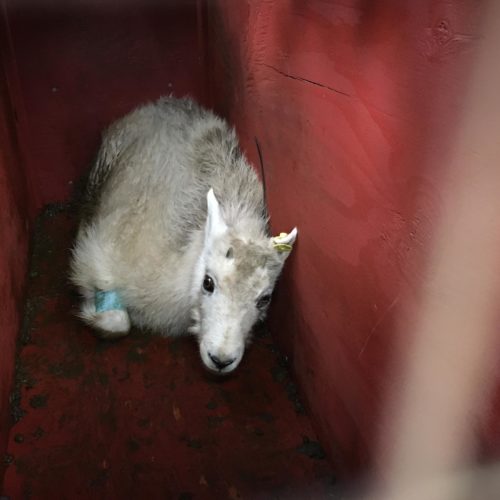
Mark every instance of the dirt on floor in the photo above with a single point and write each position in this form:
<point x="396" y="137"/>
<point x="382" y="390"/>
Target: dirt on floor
<point x="140" y="417"/>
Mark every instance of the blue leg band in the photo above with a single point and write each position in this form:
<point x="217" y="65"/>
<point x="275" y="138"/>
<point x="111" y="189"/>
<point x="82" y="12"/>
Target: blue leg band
<point x="108" y="301"/>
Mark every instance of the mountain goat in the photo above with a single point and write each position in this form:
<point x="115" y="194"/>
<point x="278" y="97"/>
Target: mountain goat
<point x="174" y="237"/>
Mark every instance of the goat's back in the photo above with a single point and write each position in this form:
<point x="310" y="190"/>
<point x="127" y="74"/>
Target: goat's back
<point x="160" y="161"/>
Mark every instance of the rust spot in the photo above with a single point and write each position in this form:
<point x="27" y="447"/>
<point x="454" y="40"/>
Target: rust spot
<point x="215" y="421"/>
<point x="144" y="422"/>
<point x="194" y="443"/>
<point x="312" y="449"/>
<point x="38" y="401"/>
<point x="233" y="493"/>
<point x="177" y="412"/>
<point x="212" y="405"/>
<point x="133" y="445"/>
<point x="39" y="432"/>
<point x="19" y="438"/>
<point x="136" y="355"/>
<point x="71" y="367"/>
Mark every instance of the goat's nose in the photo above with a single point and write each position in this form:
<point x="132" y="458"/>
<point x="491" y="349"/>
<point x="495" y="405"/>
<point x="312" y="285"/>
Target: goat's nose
<point x="220" y="363"/>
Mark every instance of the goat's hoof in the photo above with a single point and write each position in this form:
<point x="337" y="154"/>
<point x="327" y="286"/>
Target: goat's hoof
<point x="112" y="324"/>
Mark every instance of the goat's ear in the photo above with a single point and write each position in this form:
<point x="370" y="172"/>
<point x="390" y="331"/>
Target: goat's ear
<point x="283" y="243"/>
<point x="215" y="225"/>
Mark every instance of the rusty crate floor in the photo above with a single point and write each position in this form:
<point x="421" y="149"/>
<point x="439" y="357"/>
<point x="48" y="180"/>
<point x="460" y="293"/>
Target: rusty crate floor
<point x="140" y="417"/>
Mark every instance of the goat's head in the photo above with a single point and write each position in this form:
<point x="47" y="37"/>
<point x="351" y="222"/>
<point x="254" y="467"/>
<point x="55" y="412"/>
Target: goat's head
<point x="233" y="283"/>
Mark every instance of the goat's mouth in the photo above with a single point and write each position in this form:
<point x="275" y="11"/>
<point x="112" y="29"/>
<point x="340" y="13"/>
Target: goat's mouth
<point x="218" y="371"/>
<point x="218" y="364"/>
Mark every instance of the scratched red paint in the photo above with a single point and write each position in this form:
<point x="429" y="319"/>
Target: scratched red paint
<point x="353" y="104"/>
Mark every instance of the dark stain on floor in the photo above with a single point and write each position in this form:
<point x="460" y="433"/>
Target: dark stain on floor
<point x="140" y="417"/>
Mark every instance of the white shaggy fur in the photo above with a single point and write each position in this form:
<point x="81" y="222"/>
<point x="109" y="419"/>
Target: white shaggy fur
<point x="153" y="234"/>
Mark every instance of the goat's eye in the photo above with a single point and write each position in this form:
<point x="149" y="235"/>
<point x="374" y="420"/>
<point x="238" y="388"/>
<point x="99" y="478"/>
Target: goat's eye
<point x="208" y="284"/>
<point x="263" y="301"/>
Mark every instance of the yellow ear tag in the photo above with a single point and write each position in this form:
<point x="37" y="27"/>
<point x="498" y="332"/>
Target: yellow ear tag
<point x="279" y="246"/>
